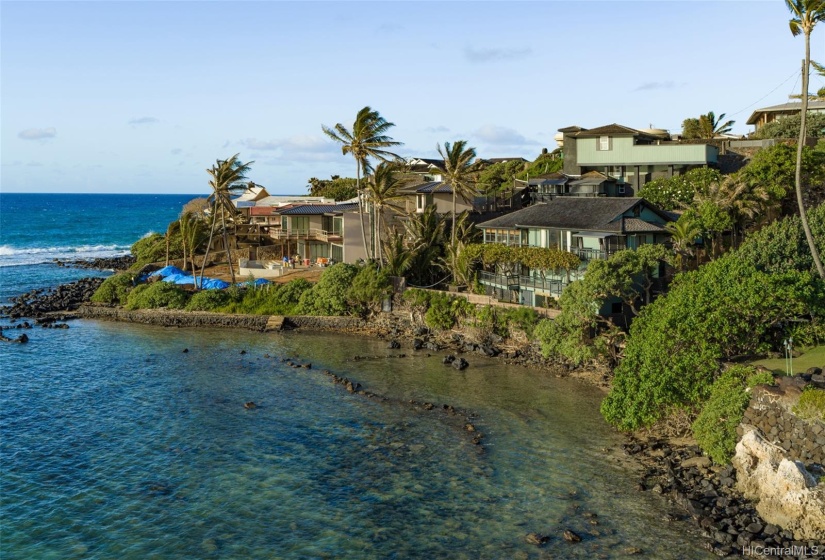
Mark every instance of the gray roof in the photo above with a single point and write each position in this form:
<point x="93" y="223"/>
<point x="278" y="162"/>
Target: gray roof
<point x="434" y="187"/>
<point x="317" y="209"/>
<point x="575" y="213"/>
<point x="786" y="108"/>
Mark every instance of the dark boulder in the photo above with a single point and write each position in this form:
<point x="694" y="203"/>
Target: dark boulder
<point x="460" y="364"/>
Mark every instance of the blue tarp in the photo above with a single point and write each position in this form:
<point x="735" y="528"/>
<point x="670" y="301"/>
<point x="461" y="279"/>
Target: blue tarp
<point x="214" y="284"/>
<point x="262" y="282"/>
<point x="166" y="271"/>
<point x="181" y="278"/>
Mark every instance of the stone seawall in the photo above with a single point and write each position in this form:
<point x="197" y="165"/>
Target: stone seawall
<point x="173" y="318"/>
<point x="769" y="412"/>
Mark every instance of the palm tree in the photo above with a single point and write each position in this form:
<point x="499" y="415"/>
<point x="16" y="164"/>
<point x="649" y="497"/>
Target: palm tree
<point x="710" y="126"/>
<point x="458" y="172"/>
<point x="399" y="256"/>
<point x="382" y="192"/>
<point x="367" y="139"/>
<point x="171" y="230"/>
<point x="227" y="180"/>
<point x="192" y="235"/>
<point x="683" y="234"/>
<point x="425" y="233"/>
<point x="805" y="15"/>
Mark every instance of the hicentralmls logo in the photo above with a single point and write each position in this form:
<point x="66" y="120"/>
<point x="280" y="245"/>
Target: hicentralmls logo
<point x="777" y="551"/>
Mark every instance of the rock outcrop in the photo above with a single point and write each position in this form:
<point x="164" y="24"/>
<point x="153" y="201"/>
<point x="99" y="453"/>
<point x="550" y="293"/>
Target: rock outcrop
<point x="786" y="494"/>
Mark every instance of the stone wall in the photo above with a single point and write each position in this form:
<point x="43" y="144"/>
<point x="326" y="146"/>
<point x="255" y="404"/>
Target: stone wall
<point x="770" y="412"/>
<point x="173" y="318"/>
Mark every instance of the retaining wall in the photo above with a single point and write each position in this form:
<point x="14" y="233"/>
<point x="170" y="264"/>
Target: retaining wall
<point x="770" y="412"/>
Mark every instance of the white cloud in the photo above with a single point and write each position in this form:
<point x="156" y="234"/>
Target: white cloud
<point x="655" y="85"/>
<point x="296" y="148"/>
<point x="436" y="129"/>
<point x="492" y="55"/>
<point x="144" y="120"/>
<point x="502" y="136"/>
<point x="37" y="133"/>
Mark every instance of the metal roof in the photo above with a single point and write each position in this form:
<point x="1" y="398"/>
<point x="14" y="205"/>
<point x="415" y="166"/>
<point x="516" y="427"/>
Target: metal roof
<point x="578" y="213"/>
<point x="316" y="209"/>
<point x="786" y="108"/>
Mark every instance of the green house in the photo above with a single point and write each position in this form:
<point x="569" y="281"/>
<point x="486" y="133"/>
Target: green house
<point x="591" y="228"/>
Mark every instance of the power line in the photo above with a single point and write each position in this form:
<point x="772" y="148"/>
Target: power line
<point x="796" y="74"/>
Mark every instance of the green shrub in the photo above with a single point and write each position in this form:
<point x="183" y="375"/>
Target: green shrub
<point x="445" y="311"/>
<point x="417" y="298"/>
<point x="152" y="248"/>
<point x="288" y="295"/>
<point x="368" y="290"/>
<point x="491" y="319"/>
<point x="760" y="378"/>
<point x="811" y="405"/>
<point x="114" y="289"/>
<point x="715" y="427"/>
<point x="208" y="300"/>
<point x="156" y="295"/>
<point x="329" y="296"/>
<point x="725" y="308"/>
<point x="525" y="318"/>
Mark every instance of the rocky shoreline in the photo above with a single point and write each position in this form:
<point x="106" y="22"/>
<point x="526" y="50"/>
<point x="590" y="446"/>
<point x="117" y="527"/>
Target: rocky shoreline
<point x="100" y="263"/>
<point x="707" y="493"/>
<point x="676" y="470"/>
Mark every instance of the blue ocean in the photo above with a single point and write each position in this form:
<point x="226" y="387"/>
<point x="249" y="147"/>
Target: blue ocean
<point x="121" y="441"/>
<point x="37" y="229"/>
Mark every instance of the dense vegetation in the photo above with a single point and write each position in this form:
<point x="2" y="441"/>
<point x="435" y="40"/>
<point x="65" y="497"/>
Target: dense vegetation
<point x="742" y="303"/>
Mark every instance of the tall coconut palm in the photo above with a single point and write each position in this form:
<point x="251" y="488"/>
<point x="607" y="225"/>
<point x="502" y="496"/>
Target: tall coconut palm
<point x="227" y="180"/>
<point x="458" y="172"/>
<point x="710" y="126"/>
<point x="382" y="192"/>
<point x="193" y="234"/>
<point x="805" y="14"/>
<point x="368" y="139"/>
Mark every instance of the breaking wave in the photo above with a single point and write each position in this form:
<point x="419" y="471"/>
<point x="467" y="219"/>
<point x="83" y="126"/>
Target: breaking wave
<point x="18" y="256"/>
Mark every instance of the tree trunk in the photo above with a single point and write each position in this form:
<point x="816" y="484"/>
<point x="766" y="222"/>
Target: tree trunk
<point x="361" y="207"/>
<point x="453" y="234"/>
<point x="798" y="177"/>
<point x="226" y="248"/>
<point x="209" y="243"/>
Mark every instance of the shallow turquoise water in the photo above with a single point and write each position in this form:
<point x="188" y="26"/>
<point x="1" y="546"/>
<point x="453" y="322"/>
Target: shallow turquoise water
<point x="116" y="444"/>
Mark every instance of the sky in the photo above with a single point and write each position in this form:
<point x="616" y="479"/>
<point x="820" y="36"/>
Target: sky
<point x="143" y="97"/>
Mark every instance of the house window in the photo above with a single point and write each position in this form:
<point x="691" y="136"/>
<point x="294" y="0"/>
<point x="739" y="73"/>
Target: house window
<point x="604" y="143"/>
<point x="420" y="199"/>
<point x="621" y="188"/>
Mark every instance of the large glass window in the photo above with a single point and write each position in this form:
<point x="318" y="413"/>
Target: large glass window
<point x="604" y="143"/>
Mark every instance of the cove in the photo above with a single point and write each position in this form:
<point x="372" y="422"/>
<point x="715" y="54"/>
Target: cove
<point x="118" y="444"/>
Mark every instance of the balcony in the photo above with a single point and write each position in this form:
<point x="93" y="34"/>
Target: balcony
<point x="310" y="234"/>
<point x="516" y="283"/>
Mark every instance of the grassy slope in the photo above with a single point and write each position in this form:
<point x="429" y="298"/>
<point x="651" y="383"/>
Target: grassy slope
<point x="811" y="357"/>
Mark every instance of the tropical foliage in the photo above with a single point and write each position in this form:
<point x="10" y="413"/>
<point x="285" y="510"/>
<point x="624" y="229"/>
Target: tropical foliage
<point x="367" y="139"/>
<point x="805" y="14"/>
<point x="336" y="187"/>
<point x="706" y="127"/>
<point x="715" y="427"/>
<point x="458" y="171"/>
<point x="726" y="308"/>
<point x="227" y="178"/>
<point x="675" y="193"/>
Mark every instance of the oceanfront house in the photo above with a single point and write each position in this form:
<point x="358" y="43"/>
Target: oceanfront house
<point x="590" y="227"/>
<point x="544" y="188"/>
<point x="630" y="157"/>
<point x="761" y="117"/>
<point x="315" y="230"/>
